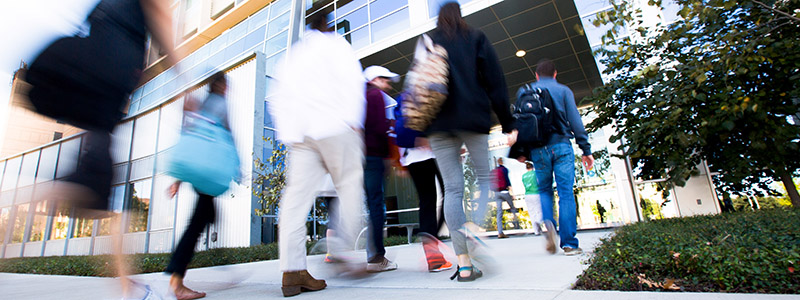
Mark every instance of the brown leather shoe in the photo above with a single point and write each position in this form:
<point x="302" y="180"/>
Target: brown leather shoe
<point x="300" y="281"/>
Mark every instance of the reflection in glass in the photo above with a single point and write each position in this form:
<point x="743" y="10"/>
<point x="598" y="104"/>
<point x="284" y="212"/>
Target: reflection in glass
<point x="359" y="38"/>
<point x="279" y="24"/>
<point x="19" y="223"/>
<point x="39" y="222"/>
<point x="83" y="228"/>
<point x="60" y="223"/>
<point x="653" y="204"/>
<point x="11" y="173"/>
<point x="390" y="25"/>
<point x="277" y="43"/>
<point x="380" y="8"/>
<point x="434" y="5"/>
<point x="116" y="200"/>
<point x="47" y="164"/>
<point x="279" y="7"/>
<point x="68" y="157"/>
<point x="139" y="205"/>
<point x="343" y="7"/>
<point x="4" y="215"/>
<point x="145" y="131"/>
<point x="353" y="20"/>
<point x="28" y="172"/>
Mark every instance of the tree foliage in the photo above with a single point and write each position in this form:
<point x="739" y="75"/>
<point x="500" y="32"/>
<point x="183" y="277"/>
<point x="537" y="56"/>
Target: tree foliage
<point x="270" y="178"/>
<point x="721" y="85"/>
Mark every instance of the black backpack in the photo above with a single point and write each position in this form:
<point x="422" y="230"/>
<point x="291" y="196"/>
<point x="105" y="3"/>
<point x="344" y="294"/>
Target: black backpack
<point x="534" y="116"/>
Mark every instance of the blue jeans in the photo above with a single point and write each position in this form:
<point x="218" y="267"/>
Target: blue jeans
<point x="373" y="186"/>
<point x="558" y="160"/>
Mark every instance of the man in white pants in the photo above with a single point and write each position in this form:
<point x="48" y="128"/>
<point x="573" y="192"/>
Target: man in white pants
<point x="318" y="111"/>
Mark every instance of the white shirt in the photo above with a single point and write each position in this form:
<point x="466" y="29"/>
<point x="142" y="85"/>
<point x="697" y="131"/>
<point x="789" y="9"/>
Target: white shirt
<point x="414" y="155"/>
<point x="319" y="89"/>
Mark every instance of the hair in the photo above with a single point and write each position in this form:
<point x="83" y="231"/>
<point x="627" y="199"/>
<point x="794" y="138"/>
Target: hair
<point x="450" y="21"/>
<point x="216" y="82"/>
<point x="546" y="67"/>
<point x="528" y="165"/>
<point x="319" y="21"/>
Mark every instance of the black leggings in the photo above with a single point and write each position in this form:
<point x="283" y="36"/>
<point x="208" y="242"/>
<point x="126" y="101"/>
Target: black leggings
<point x="423" y="174"/>
<point x="204" y="214"/>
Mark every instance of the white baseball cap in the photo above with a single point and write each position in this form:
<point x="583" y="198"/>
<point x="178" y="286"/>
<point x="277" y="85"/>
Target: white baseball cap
<point x="372" y="72"/>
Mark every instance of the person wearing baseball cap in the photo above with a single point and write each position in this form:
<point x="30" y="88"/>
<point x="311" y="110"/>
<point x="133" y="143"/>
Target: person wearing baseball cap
<point x="376" y="139"/>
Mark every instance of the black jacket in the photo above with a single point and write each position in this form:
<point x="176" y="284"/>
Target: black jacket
<point x="476" y="85"/>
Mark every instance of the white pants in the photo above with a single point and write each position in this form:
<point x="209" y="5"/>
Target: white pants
<point x="534" y="207"/>
<point x="342" y="156"/>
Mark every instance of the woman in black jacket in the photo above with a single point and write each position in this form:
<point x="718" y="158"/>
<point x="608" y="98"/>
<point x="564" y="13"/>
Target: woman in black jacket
<point x="476" y="88"/>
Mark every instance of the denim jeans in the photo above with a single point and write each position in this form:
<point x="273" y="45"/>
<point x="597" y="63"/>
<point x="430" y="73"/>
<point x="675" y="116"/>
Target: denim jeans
<point x="373" y="186"/>
<point x="558" y="160"/>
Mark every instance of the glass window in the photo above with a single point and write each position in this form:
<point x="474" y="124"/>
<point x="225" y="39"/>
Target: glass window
<point x="19" y="223"/>
<point x="163" y="207"/>
<point x="60" y="223"/>
<point x="170" y="127"/>
<point x="4" y="215"/>
<point x="278" y="7"/>
<point x="68" y="157"/>
<point x="434" y="5"/>
<point x="344" y="7"/>
<point x="139" y="205"/>
<point x="353" y="20"/>
<point x="39" y="222"/>
<point x="380" y="8"/>
<point x="358" y="38"/>
<point x="121" y="142"/>
<point x="390" y="25"/>
<point x="83" y="228"/>
<point x="279" y="24"/>
<point x="116" y="200"/>
<point x="11" y="174"/>
<point x="272" y="61"/>
<point x="27" y="174"/>
<point x="145" y="130"/>
<point x="47" y="164"/>
<point x="277" y="43"/>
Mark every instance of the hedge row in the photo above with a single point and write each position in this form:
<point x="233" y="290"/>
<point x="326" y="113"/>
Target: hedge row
<point x="102" y="265"/>
<point x="733" y="252"/>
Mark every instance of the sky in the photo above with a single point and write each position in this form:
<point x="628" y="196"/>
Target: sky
<point x="26" y="27"/>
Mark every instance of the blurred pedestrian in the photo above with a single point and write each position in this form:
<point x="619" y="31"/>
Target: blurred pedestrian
<point x="318" y="112"/>
<point x="85" y="81"/>
<point x="503" y="193"/>
<point x="532" y="198"/>
<point x="215" y="108"/>
<point x="476" y="88"/>
<point x="376" y="139"/>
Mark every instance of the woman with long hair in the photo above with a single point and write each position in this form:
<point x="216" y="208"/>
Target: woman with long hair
<point x="476" y="87"/>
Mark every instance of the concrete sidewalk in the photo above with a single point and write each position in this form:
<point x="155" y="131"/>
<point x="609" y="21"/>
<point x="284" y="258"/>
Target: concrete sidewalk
<point x="521" y="270"/>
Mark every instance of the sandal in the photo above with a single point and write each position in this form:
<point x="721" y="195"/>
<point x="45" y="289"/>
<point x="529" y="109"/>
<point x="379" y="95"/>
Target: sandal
<point x="474" y="274"/>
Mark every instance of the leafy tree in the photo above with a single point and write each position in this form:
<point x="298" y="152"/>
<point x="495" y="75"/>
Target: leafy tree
<point x="721" y="85"/>
<point x="270" y="178"/>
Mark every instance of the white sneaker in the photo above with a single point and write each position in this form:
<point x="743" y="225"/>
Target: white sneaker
<point x="383" y="265"/>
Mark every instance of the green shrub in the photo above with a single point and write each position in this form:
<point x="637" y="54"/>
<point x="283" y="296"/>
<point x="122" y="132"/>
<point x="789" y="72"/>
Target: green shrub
<point x="102" y="265"/>
<point x="736" y="252"/>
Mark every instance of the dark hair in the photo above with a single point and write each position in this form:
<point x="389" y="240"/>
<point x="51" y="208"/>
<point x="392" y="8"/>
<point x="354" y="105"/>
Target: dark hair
<point x="450" y="21"/>
<point x="217" y="81"/>
<point x="546" y="67"/>
<point x="528" y="165"/>
<point x="319" y="21"/>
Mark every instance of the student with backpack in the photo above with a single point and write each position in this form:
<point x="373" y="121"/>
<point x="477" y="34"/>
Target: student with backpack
<point x="552" y="153"/>
<point x="502" y="193"/>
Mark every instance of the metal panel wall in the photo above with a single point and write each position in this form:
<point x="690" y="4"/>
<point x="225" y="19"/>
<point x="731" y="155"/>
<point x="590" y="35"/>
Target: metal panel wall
<point x="142" y="168"/>
<point x="79" y="246"/>
<point x="131" y="243"/>
<point x="54" y="248"/>
<point x="161" y="241"/>
<point x="162" y="207"/>
<point x="170" y="125"/>
<point x="33" y="249"/>
<point x="12" y="250"/>
<point x="102" y="245"/>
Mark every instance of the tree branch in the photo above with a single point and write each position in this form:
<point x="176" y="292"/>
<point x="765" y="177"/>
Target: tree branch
<point x="793" y="18"/>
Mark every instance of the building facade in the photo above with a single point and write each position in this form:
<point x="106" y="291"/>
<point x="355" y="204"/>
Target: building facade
<point x="246" y="38"/>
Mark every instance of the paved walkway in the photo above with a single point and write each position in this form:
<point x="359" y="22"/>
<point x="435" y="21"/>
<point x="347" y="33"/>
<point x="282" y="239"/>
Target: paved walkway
<point x="522" y="270"/>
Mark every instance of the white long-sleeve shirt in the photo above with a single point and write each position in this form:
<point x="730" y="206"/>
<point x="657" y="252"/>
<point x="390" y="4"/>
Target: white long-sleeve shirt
<point x="319" y="90"/>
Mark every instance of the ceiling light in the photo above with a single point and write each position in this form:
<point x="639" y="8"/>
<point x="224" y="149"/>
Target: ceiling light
<point x="521" y="53"/>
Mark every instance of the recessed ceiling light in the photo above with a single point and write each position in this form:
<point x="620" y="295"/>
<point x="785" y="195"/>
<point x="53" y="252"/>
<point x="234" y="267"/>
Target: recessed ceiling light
<point x="521" y="53"/>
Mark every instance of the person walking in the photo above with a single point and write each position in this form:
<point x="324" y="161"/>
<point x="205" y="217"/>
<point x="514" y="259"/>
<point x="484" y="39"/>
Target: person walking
<point x="417" y="160"/>
<point x="376" y="139"/>
<point x="557" y="159"/>
<point x="318" y="111"/>
<point x="532" y="198"/>
<point x="503" y="193"/>
<point x="476" y="88"/>
<point x="215" y="108"/>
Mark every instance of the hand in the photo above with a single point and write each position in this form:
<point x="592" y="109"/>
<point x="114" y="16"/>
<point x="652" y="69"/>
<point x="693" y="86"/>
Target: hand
<point x="421" y="142"/>
<point x="588" y="161"/>
<point x="512" y="137"/>
<point x="172" y="190"/>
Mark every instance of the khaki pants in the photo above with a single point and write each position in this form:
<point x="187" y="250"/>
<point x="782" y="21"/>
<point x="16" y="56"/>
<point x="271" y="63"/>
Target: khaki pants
<point x="343" y="157"/>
